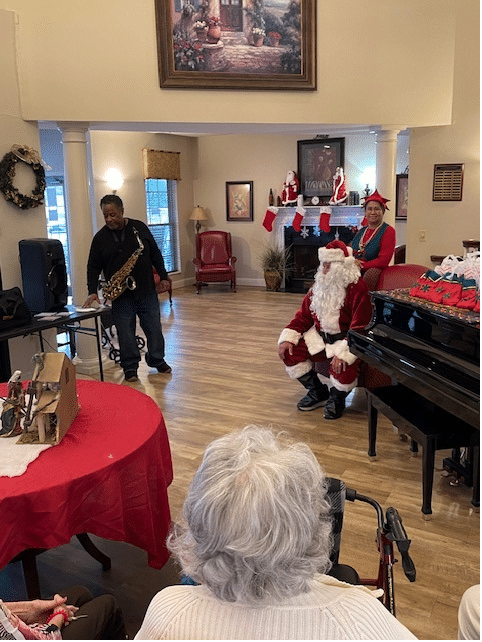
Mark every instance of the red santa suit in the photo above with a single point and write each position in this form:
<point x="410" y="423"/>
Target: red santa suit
<point x="339" y="187"/>
<point x="289" y="194"/>
<point x="319" y="328"/>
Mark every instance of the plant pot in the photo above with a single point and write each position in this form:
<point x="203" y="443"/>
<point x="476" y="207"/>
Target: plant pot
<point x="258" y="41"/>
<point x="272" y="280"/>
<point x="274" y="42"/>
<point x="213" y="35"/>
<point x="201" y="34"/>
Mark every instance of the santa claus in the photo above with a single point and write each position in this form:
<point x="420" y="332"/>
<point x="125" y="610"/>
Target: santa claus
<point x="337" y="302"/>
<point x="339" y="195"/>
<point x="289" y="194"/>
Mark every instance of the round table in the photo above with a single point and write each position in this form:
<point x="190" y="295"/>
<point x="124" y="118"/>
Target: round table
<point x="108" y="476"/>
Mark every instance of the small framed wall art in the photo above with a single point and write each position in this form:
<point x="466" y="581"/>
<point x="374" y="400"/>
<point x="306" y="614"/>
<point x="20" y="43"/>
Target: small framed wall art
<point x="317" y="162"/>
<point x="239" y="201"/>
<point x="401" y="200"/>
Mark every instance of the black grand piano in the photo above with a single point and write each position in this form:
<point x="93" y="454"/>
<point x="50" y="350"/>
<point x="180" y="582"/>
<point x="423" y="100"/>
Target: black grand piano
<point x="432" y="352"/>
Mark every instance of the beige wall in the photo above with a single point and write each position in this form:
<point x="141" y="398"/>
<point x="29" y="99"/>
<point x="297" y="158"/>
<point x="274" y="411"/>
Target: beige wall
<point x="97" y="61"/>
<point x="16" y="224"/>
<point x="448" y="223"/>
<point x="123" y="150"/>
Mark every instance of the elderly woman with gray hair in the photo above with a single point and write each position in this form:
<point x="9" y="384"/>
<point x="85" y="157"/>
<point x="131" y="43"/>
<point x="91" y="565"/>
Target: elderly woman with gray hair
<point x="255" y="535"/>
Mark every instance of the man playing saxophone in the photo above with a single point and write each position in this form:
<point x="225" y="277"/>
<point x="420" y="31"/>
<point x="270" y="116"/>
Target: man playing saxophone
<point x="125" y="251"/>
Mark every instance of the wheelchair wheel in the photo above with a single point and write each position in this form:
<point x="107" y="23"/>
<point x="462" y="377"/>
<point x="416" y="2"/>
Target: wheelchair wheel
<point x="140" y="342"/>
<point x="114" y="354"/>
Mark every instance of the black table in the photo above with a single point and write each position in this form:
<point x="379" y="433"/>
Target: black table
<point x="71" y="324"/>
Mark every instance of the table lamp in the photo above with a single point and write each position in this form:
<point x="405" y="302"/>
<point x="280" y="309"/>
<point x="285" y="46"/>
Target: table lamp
<point x="198" y="214"/>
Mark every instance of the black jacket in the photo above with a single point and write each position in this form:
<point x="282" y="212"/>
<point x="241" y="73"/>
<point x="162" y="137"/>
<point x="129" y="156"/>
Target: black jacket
<point x="110" y="250"/>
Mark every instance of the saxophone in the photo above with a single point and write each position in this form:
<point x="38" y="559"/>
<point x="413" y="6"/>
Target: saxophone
<point x="122" y="279"/>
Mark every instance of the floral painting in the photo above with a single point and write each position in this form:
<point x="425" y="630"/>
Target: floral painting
<point x="238" y="44"/>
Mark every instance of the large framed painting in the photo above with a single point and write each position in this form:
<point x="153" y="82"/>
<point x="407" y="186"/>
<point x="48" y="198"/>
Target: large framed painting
<point x="239" y="201"/>
<point x="237" y="44"/>
<point x="318" y="159"/>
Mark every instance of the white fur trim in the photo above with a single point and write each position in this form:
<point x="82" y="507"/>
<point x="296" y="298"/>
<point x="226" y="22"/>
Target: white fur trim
<point x="327" y="256"/>
<point x="325" y="210"/>
<point x="343" y="387"/>
<point x="300" y="210"/>
<point x="314" y="341"/>
<point x="340" y="349"/>
<point x="300" y="369"/>
<point x="289" y="335"/>
<point x="273" y="209"/>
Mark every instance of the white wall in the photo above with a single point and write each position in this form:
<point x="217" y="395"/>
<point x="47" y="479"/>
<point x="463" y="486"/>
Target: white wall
<point x="97" y="61"/>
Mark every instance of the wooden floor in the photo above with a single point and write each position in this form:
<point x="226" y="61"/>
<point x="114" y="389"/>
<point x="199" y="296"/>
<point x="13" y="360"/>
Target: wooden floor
<point x="226" y="374"/>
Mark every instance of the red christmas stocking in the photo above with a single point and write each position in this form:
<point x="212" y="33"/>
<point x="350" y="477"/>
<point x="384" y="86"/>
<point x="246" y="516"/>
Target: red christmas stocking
<point x="299" y="215"/>
<point x="325" y="220"/>
<point x="269" y="218"/>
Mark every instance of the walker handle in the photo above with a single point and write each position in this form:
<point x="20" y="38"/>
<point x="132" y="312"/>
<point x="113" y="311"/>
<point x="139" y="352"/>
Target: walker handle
<point x="398" y="534"/>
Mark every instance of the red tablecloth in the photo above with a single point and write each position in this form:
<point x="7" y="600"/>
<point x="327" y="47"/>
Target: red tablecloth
<point x="108" y="476"/>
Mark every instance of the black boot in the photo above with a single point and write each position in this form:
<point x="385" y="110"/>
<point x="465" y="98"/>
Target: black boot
<point x="335" y="405"/>
<point x="317" y="392"/>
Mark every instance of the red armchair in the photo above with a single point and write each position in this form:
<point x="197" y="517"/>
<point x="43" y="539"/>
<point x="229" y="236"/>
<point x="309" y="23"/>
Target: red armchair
<point x="214" y="260"/>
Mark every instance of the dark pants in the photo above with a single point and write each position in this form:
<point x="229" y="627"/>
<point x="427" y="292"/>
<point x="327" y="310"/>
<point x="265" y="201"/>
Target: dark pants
<point x="125" y="311"/>
<point x="104" y="619"/>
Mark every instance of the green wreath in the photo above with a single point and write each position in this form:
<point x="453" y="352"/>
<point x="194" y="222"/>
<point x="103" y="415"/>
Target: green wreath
<point x="11" y="193"/>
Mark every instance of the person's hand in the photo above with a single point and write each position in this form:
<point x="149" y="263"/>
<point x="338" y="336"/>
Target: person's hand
<point x="90" y="299"/>
<point x="165" y="285"/>
<point x="283" y="347"/>
<point x="359" y="263"/>
<point x="38" y="610"/>
<point x="62" y="615"/>
<point x="338" y="365"/>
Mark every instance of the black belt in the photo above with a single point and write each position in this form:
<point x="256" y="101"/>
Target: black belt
<point x="331" y="338"/>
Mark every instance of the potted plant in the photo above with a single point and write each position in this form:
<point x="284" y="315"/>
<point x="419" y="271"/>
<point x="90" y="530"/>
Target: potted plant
<point x="201" y="29"/>
<point x="258" y="36"/>
<point x="214" y="30"/>
<point x="274" y="38"/>
<point x="275" y="262"/>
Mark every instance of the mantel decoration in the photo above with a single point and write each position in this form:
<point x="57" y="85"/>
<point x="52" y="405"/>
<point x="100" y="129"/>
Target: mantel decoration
<point x="7" y="174"/>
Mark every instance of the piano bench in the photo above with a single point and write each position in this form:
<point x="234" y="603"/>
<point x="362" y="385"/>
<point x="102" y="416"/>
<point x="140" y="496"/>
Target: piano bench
<point x="425" y="423"/>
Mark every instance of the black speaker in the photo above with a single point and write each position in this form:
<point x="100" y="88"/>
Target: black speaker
<point x="44" y="275"/>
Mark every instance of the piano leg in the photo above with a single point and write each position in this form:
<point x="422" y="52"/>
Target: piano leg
<point x="476" y="488"/>
<point x="372" y="427"/>
<point x="428" y="465"/>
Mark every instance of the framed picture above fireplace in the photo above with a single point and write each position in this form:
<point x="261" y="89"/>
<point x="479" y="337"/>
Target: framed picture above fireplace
<point x="318" y="159"/>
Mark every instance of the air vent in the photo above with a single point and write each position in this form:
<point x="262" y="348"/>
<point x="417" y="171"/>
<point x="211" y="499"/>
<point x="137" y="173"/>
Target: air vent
<point x="447" y="182"/>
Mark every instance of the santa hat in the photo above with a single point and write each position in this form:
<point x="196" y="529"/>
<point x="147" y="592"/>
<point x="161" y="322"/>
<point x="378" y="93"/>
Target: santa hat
<point x="335" y="251"/>
<point x="377" y="197"/>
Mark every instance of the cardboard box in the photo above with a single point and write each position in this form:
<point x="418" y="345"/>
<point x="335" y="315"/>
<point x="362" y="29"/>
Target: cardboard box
<point x="57" y="404"/>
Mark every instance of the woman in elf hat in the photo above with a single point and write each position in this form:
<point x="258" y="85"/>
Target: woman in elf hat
<point x="374" y="245"/>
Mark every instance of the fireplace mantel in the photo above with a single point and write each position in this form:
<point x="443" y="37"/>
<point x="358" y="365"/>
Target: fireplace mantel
<point x="348" y="215"/>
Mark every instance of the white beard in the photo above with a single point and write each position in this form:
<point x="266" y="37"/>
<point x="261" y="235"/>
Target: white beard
<point x="329" y="293"/>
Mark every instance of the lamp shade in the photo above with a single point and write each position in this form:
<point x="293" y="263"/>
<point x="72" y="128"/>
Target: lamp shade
<point x="198" y="214"/>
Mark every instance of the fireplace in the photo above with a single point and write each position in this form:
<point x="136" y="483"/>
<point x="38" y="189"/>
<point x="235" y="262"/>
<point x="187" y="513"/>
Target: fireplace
<point x="304" y="253"/>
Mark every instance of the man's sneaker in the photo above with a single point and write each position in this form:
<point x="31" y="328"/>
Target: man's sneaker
<point x="131" y="376"/>
<point x="164" y="368"/>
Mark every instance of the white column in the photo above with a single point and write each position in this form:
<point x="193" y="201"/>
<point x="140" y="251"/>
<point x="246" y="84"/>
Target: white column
<point x="80" y="231"/>
<point x="387" y="169"/>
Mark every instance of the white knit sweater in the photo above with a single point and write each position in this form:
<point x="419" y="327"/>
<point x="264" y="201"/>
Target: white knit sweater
<point x="332" y="610"/>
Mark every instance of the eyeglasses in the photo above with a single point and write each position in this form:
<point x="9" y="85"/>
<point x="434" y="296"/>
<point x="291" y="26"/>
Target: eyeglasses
<point x="374" y="209"/>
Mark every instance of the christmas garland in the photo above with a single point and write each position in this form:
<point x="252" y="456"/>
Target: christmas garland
<point x="7" y="174"/>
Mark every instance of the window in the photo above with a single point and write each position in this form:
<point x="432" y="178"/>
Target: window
<point x="55" y="212"/>
<point x="161" y="201"/>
